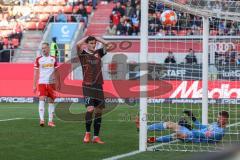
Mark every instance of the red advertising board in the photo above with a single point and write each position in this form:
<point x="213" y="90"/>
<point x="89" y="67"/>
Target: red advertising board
<point x="176" y="46"/>
<point x="16" y="80"/>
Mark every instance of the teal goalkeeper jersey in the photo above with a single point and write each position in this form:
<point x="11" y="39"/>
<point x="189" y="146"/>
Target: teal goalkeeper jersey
<point x="207" y="133"/>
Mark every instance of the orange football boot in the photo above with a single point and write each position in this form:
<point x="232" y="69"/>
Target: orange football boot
<point x="87" y="137"/>
<point x="51" y="124"/>
<point x="97" y="140"/>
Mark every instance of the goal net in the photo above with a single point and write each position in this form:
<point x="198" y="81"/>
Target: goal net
<point x="181" y="79"/>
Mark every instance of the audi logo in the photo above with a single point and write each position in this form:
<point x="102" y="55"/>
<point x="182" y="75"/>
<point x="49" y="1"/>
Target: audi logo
<point x="221" y="46"/>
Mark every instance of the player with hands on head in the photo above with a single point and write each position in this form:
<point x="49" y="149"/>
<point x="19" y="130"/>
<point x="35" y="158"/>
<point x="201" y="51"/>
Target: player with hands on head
<point x="90" y="59"/>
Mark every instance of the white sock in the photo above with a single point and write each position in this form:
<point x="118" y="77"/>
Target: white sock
<point x="41" y="110"/>
<point x="51" y="109"/>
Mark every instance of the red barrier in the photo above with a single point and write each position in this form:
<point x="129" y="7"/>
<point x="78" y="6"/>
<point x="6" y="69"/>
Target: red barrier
<point x="181" y="46"/>
<point x="16" y="80"/>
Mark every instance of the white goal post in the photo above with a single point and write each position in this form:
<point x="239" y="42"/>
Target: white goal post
<point x="143" y="77"/>
<point x="205" y="13"/>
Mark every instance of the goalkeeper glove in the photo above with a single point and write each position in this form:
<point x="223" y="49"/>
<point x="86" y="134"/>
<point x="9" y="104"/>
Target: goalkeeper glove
<point x="190" y="114"/>
<point x="151" y="140"/>
<point x="183" y="122"/>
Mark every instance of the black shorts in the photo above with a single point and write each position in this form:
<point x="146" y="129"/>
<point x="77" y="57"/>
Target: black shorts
<point x="93" y="95"/>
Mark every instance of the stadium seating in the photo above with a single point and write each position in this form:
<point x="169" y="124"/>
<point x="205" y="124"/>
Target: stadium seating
<point x="40" y="15"/>
<point x="182" y="33"/>
<point x="192" y="23"/>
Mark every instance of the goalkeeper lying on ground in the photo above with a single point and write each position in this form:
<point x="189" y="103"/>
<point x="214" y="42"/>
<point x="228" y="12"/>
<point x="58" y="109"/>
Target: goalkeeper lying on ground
<point x="211" y="133"/>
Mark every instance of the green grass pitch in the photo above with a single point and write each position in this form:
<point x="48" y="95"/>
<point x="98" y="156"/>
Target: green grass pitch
<point x="24" y="139"/>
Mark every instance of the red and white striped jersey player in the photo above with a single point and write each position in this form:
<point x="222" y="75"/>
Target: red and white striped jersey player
<point x="47" y="78"/>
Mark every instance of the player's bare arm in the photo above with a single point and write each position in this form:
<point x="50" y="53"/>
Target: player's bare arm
<point x="57" y="79"/>
<point x="80" y="45"/>
<point x="35" y="79"/>
<point x="106" y="44"/>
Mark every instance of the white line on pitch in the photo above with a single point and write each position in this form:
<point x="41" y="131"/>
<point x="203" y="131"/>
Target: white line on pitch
<point x="3" y="108"/>
<point x="104" y="120"/>
<point x="137" y="151"/>
<point x="123" y="155"/>
<point x="11" y="119"/>
<point x="150" y="148"/>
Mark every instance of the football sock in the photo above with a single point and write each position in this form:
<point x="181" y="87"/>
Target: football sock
<point x="51" y="109"/>
<point x="88" y="119"/>
<point x="41" y="110"/>
<point x="157" y="126"/>
<point x="97" y="123"/>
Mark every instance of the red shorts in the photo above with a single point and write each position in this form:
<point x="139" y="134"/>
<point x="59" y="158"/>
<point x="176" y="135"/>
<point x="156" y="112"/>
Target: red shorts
<point x="47" y="90"/>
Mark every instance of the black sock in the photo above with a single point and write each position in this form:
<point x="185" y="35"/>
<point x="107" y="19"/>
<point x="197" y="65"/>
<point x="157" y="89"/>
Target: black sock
<point x="97" y="123"/>
<point x="88" y="119"/>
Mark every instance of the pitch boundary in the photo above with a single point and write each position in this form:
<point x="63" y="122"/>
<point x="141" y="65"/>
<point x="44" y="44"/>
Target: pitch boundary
<point x="10" y="119"/>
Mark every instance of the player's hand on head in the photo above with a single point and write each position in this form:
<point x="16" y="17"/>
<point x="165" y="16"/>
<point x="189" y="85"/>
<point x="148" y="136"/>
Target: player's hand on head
<point x="109" y="47"/>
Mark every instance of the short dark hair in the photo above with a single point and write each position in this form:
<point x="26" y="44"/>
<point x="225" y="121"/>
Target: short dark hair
<point x="45" y="43"/>
<point x="90" y="38"/>
<point x="224" y="114"/>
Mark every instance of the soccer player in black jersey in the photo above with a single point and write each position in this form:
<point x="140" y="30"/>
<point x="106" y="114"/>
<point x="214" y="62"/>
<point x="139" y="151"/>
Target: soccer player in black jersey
<point x="90" y="59"/>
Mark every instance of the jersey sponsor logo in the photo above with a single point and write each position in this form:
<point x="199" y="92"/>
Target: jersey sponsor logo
<point x="93" y="61"/>
<point x="47" y="65"/>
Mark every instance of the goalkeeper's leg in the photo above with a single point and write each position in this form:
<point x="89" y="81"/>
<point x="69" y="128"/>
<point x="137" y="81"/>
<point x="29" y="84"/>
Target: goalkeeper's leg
<point x="153" y="127"/>
<point x="164" y="125"/>
<point x="157" y="126"/>
<point x="184" y="136"/>
<point x="166" y="138"/>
